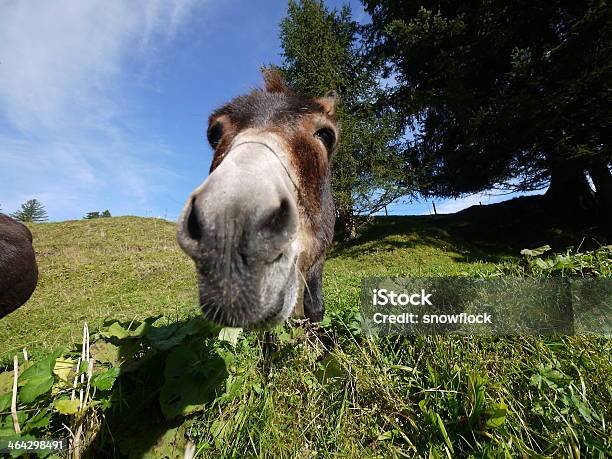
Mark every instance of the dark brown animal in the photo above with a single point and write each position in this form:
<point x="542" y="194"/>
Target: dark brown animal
<point x="18" y="270"/>
<point x="259" y="226"/>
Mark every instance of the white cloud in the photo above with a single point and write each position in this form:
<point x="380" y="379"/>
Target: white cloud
<point x="63" y="101"/>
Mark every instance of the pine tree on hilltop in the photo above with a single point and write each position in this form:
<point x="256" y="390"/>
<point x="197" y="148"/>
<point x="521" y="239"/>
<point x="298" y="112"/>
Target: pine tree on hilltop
<point x="31" y="211"/>
<point x="97" y="214"/>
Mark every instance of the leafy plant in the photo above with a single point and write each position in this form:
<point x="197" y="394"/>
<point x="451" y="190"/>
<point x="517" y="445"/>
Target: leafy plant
<point x="64" y="391"/>
<point x="595" y="263"/>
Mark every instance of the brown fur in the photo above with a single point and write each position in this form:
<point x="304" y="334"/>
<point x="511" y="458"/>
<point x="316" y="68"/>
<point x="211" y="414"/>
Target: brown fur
<point x="18" y="270"/>
<point x="295" y="119"/>
<point x="329" y="102"/>
<point x="273" y="82"/>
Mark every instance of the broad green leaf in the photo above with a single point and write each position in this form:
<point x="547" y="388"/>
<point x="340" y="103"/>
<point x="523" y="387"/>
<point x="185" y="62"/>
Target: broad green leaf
<point x="6" y="424"/>
<point x="39" y="420"/>
<point x="6" y="427"/>
<point x="544" y="264"/>
<point x="115" y="330"/>
<point x="562" y="261"/>
<point x="330" y="370"/>
<point x="257" y="387"/>
<point x="144" y="327"/>
<point x="535" y="252"/>
<point x="5" y="402"/>
<point x="66" y="406"/>
<point x="583" y="408"/>
<point x="297" y="332"/>
<point x="105" y="352"/>
<point x="219" y="430"/>
<point x="6" y="382"/>
<point x="6" y="377"/>
<point x="552" y="377"/>
<point x="38" y="379"/>
<point x="430" y="414"/>
<point x="190" y="381"/>
<point x="64" y="367"/>
<point x="158" y="441"/>
<point x="535" y="380"/>
<point x="230" y="335"/>
<point x="284" y="337"/>
<point x="168" y="336"/>
<point x="106" y="379"/>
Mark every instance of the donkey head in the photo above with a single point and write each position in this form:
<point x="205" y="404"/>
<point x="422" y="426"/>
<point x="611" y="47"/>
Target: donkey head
<point x="259" y="226"/>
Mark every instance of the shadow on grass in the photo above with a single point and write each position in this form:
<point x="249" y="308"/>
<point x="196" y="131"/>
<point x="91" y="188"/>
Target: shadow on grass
<point x="166" y="373"/>
<point x="388" y="234"/>
<point x="489" y="233"/>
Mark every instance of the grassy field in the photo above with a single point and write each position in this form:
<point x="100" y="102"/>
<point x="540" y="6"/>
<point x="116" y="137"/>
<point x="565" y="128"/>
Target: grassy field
<point x="130" y="268"/>
<point x="124" y="268"/>
<point x="328" y="391"/>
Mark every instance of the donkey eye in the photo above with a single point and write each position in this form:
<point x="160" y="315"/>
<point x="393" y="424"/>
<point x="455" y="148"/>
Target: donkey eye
<point x="214" y="134"/>
<point x="327" y="136"/>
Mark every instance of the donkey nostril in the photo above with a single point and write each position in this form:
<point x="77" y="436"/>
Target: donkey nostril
<point x="193" y="224"/>
<point x="278" y="220"/>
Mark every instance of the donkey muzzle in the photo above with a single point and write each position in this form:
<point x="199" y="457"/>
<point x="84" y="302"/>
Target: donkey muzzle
<point x="240" y="228"/>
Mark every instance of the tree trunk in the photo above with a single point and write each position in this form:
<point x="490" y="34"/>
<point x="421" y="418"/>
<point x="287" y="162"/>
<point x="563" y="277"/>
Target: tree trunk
<point x="602" y="179"/>
<point x="569" y="190"/>
<point x="346" y="222"/>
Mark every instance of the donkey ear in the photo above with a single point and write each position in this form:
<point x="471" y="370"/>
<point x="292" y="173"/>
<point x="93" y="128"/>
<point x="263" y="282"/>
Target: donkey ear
<point x="274" y="82"/>
<point x="329" y="102"/>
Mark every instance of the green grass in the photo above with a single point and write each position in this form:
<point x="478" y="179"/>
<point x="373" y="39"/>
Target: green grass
<point x="123" y="268"/>
<point x="330" y="392"/>
<point x="131" y="268"/>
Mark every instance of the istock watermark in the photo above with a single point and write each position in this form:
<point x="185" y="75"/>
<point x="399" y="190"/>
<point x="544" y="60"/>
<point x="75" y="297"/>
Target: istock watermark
<point x="383" y="296"/>
<point x="494" y="306"/>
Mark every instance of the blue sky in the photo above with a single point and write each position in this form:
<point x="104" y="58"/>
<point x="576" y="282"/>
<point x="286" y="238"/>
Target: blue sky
<point x="104" y="106"/>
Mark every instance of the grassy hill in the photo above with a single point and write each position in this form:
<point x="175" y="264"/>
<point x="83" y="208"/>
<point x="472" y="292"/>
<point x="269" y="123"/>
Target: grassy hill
<point x="332" y="393"/>
<point x="125" y="268"/>
<point x="131" y="268"/>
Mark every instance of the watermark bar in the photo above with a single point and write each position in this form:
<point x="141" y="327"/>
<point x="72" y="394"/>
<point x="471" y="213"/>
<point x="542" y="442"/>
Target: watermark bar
<point x="487" y="306"/>
<point x="24" y="445"/>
